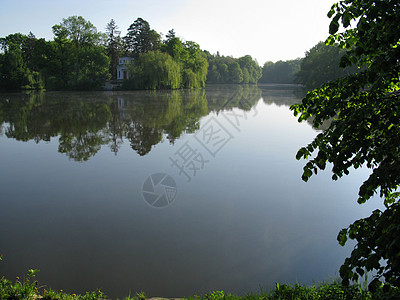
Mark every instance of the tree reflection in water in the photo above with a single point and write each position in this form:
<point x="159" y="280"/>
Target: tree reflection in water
<point x="84" y="122"/>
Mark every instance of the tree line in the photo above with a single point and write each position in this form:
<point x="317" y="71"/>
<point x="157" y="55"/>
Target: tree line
<point x="80" y="57"/>
<point x="226" y="69"/>
<point x="74" y="59"/>
<point x="320" y="64"/>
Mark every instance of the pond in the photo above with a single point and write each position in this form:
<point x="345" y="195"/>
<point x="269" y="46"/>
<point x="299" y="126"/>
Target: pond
<point x="173" y="193"/>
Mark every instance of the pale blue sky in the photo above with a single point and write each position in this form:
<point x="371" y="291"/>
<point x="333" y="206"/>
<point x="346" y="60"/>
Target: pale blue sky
<point x="265" y="29"/>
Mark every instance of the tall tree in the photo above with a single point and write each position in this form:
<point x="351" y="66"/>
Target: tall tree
<point x="365" y="130"/>
<point x="140" y="38"/>
<point x="82" y="61"/>
<point x="28" y="49"/>
<point x="79" y="31"/>
<point x="174" y="47"/>
<point x="251" y="68"/>
<point x="114" y="46"/>
<point x="195" y="66"/>
<point x="63" y="63"/>
<point x="170" y="35"/>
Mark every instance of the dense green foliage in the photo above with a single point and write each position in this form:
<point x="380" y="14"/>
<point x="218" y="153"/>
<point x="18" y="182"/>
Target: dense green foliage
<point x="154" y="70"/>
<point x="175" y="65"/>
<point x="81" y="58"/>
<point x="320" y="65"/>
<point x="365" y="130"/>
<point x="280" y="72"/>
<point x="29" y="289"/>
<point x="20" y="62"/>
<point x="75" y="59"/>
<point x="226" y="69"/>
<point x="80" y="61"/>
<point x="140" y="38"/>
<point x="327" y="291"/>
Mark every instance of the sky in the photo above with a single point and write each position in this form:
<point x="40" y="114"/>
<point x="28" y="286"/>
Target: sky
<point x="265" y="29"/>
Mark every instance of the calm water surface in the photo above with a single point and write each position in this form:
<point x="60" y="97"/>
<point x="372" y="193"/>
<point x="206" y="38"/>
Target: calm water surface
<point x="172" y="193"/>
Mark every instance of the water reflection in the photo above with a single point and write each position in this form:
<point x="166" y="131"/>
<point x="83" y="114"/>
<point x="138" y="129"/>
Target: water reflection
<point x="88" y="225"/>
<point x="281" y="94"/>
<point x="84" y="122"/>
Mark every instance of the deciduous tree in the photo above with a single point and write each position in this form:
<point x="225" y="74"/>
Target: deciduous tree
<point x="280" y="71"/>
<point x="155" y="70"/>
<point x="16" y="70"/>
<point x="79" y="31"/>
<point x="82" y="61"/>
<point x="226" y="69"/>
<point x="321" y="64"/>
<point x="365" y="131"/>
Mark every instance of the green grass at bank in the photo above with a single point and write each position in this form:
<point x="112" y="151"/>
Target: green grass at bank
<point x="29" y="288"/>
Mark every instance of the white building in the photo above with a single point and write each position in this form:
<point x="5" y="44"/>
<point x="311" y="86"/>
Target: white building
<point x="122" y="67"/>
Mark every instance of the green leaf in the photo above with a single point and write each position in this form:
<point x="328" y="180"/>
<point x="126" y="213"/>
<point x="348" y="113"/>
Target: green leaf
<point x="346" y="19"/>
<point x="331" y="12"/>
<point x="334" y="26"/>
<point x="330" y="41"/>
<point x="301" y="153"/>
<point x="306" y="174"/>
<point x="342" y="237"/>
<point x="32" y="272"/>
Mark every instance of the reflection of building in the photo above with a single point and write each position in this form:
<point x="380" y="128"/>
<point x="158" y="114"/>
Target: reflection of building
<point x="121" y="107"/>
<point x="122" y="67"/>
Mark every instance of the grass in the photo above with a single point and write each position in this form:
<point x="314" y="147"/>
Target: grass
<point x="29" y="289"/>
<point x="328" y="291"/>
